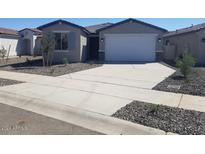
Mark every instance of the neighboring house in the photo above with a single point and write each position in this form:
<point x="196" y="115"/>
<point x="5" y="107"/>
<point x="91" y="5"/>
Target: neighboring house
<point x="23" y="42"/>
<point x="30" y="41"/>
<point x="9" y="39"/>
<point x="190" y="39"/>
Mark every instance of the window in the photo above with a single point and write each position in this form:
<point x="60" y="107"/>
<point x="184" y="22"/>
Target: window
<point x="203" y="39"/>
<point x="61" y="41"/>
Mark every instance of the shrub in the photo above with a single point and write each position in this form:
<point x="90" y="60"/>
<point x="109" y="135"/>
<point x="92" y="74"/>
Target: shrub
<point x="65" y="61"/>
<point x="52" y="70"/>
<point x="3" y="52"/>
<point x="185" y="64"/>
<point x="154" y="108"/>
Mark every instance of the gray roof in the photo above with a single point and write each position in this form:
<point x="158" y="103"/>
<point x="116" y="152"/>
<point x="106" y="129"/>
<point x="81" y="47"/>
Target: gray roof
<point x="193" y="28"/>
<point x="7" y="31"/>
<point x="65" y="22"/>
<point x="94" y="28"/>
<point x="132" y="20"/>
<point x="35" y="30"/>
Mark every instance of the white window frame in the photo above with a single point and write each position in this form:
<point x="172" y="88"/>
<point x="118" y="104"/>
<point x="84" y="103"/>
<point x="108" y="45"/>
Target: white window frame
<point x="61" y="31"/>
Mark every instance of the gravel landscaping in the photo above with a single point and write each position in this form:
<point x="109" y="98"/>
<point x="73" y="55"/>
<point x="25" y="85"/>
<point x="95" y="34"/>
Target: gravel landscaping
<point x="34" y="66"/>
<point x="6" y="82"/>
<point x="169" y="119"/>
<point x="195" y="85"/>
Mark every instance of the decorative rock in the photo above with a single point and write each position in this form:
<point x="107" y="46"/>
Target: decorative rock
<point x="194" y="85"/>
<point x="6" y="82"/>
<point x="169" y="119"/>
<point x="35" y="67"/>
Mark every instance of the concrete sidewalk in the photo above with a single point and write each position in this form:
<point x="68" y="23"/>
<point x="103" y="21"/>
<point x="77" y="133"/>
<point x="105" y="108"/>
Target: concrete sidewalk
<point x="103" y="98"/>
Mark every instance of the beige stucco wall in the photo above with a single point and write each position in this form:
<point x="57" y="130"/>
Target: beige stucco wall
<point x="184" y="43"/>
<point x="10" y="41"/>
<point x="73" y="55"/>
<point x="129" y="28"/>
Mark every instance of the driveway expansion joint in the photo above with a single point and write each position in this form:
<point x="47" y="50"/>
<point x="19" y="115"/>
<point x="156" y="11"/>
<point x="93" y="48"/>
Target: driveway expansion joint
<point x="180" y="100"/>
<point x="115" y="84"/>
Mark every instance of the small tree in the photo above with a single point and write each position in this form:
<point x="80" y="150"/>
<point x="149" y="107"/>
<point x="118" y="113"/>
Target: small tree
<point x="47" y="48"/>
<point x="65" y="61"/>
<point x="3" y="52"/>
<point x="185" y="64"/>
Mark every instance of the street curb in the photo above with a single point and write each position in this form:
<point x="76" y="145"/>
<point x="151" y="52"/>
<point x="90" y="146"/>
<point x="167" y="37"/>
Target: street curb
<point x="93" y="121"/>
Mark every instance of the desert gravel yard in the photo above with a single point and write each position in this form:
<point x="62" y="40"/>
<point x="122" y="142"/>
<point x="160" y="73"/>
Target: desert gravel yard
<point x="195" y="85"/>
<point x="33" y="65"/>
<point x="169" y="119"/>
<point x="6" y="82"/>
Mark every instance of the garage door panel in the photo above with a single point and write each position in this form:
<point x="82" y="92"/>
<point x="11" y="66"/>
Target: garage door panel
<point x="130" y="48"/>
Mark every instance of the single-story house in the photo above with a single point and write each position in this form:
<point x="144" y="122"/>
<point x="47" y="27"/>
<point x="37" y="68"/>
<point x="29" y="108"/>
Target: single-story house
<point x="30" y="41"/>
<point x="23" y="42"/>
<point x="129" y="40"/>
<point x="190" y="39"/>
<point x="9" y="39"/>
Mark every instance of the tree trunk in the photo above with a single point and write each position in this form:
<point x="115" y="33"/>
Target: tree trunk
<point x="47" y="59"/>
<point x="43" y="56"/>
<point x="51" y="58"/>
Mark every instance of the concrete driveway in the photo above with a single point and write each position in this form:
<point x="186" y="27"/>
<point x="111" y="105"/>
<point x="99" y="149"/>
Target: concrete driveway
<point x="132" y="75"/>
<point x="101" y="90"/>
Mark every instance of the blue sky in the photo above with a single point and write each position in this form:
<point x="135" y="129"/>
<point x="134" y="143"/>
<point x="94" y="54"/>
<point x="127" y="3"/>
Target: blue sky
<point x="167" y="23"/>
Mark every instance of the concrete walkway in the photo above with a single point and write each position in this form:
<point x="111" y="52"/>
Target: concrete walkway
<point x="101" y="97"/>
